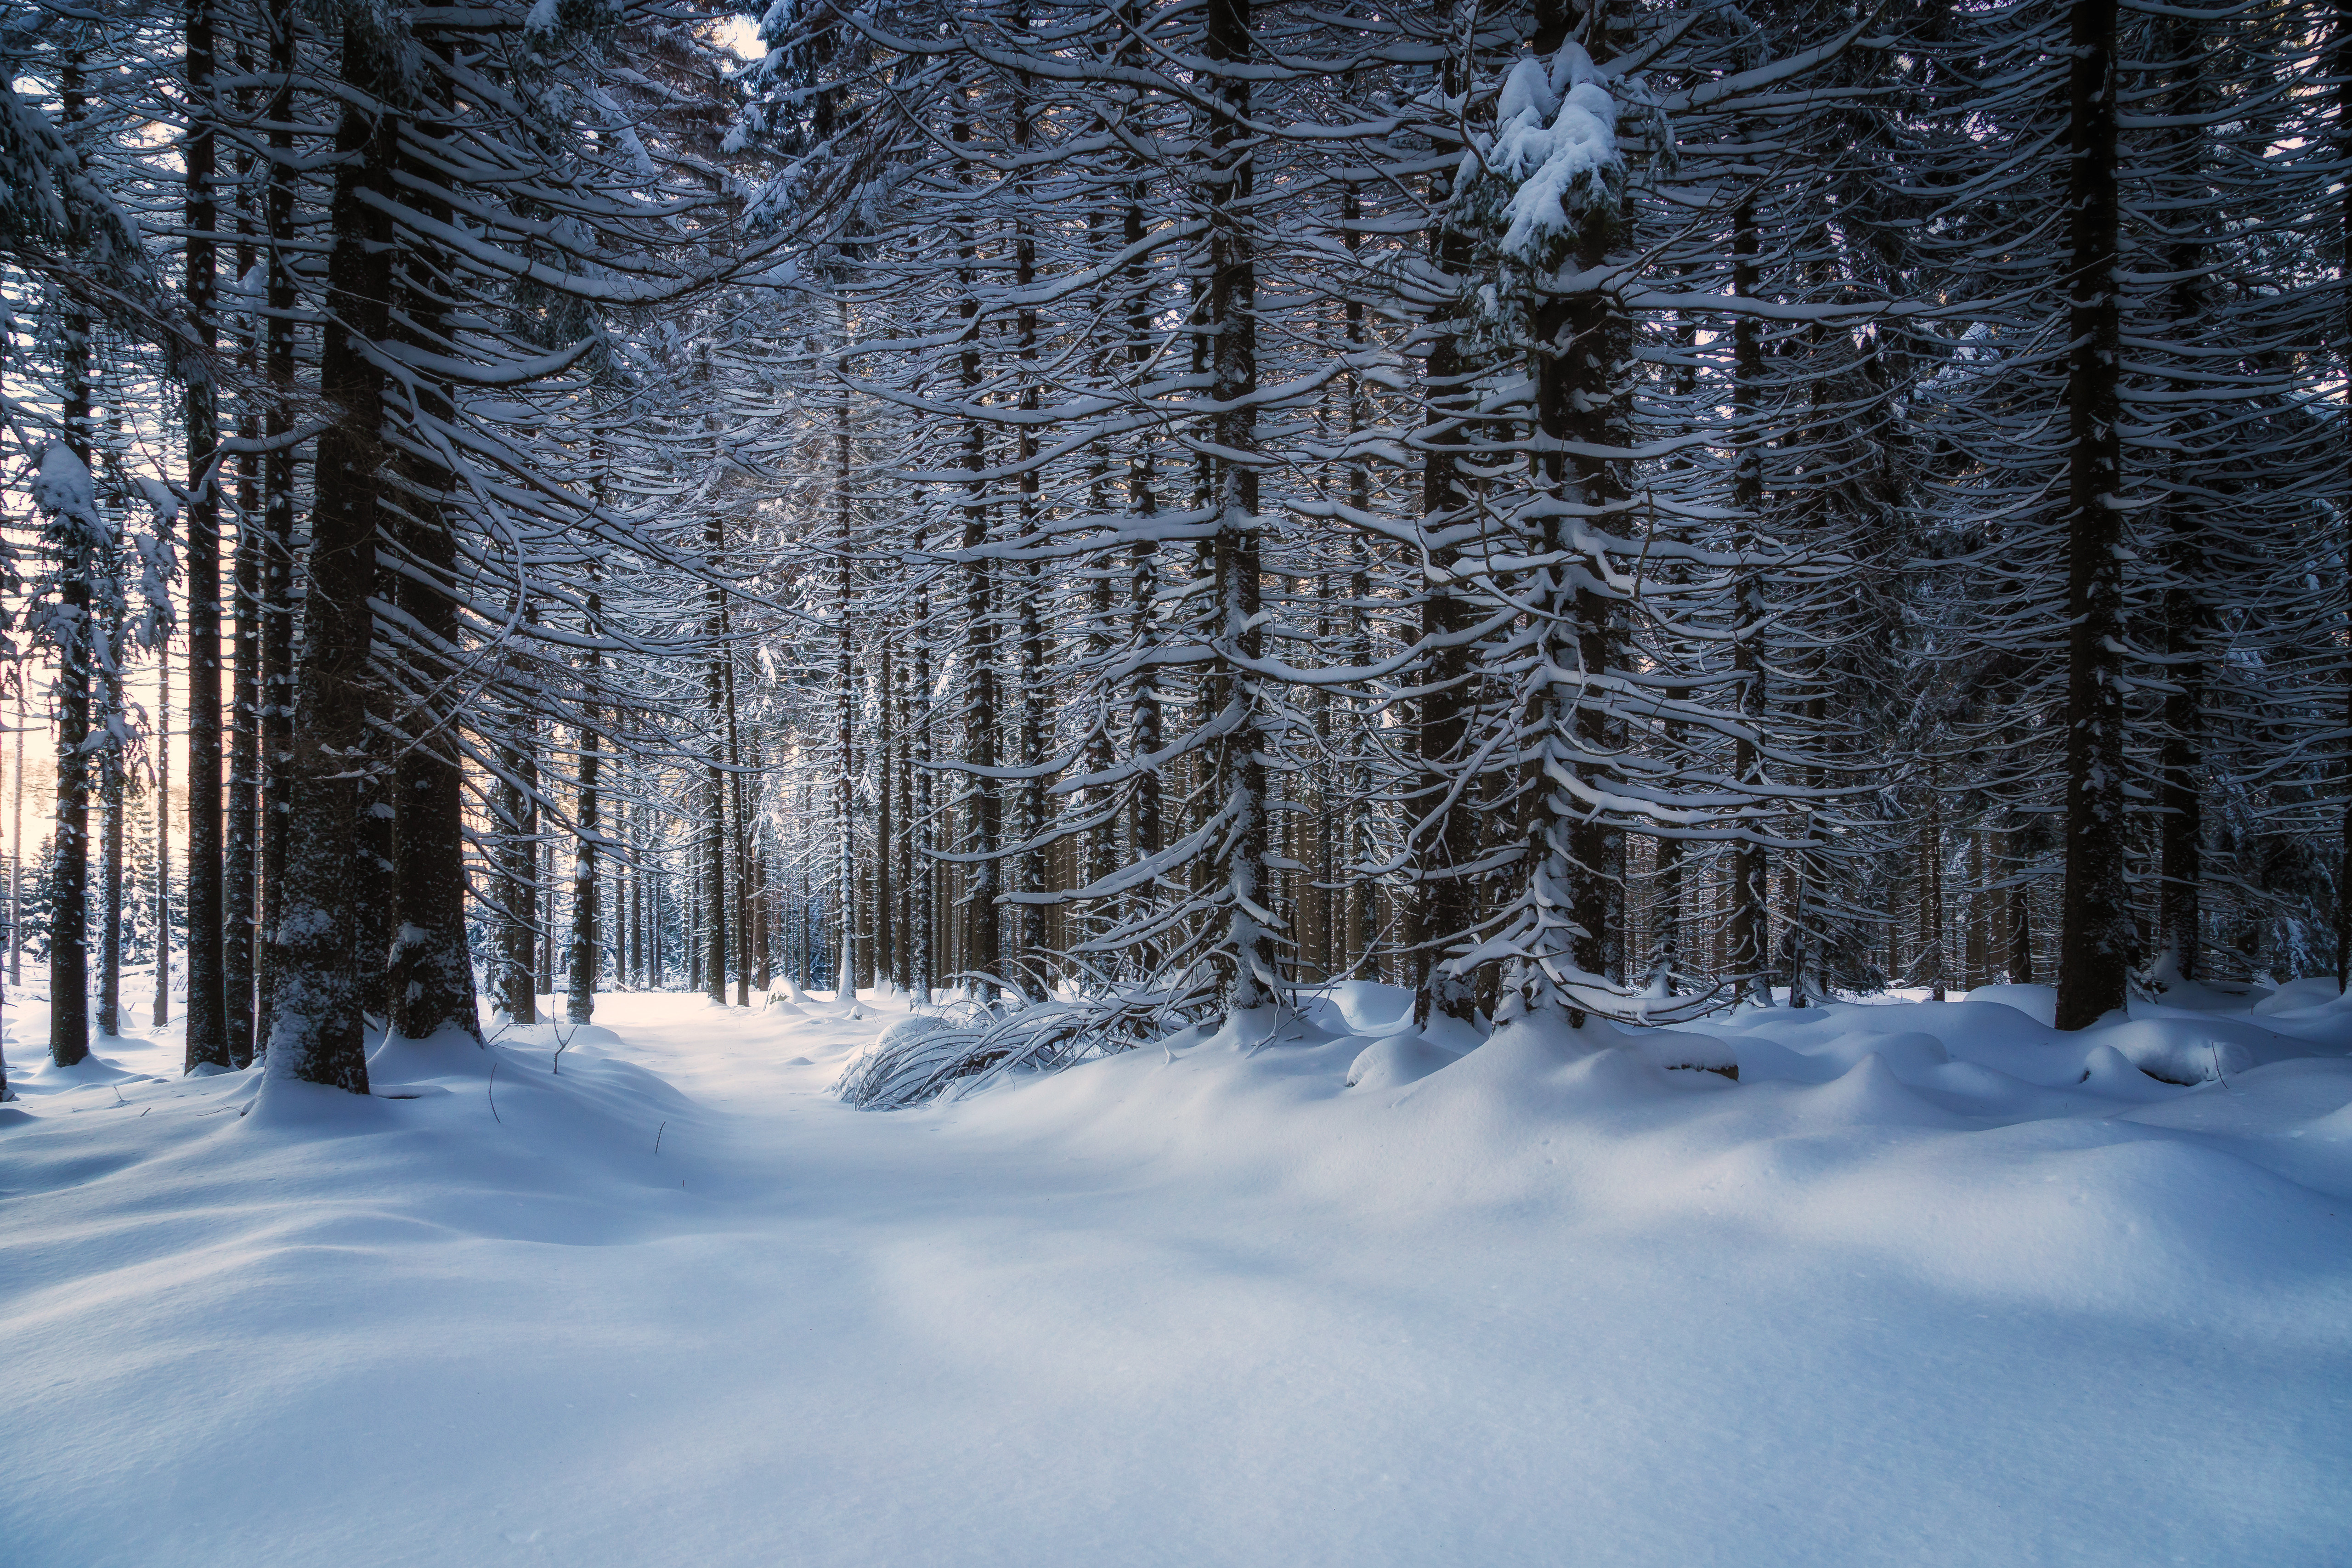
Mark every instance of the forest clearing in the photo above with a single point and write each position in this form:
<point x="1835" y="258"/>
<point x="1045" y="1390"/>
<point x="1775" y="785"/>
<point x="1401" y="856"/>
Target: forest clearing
<point x="1908" y="1291"/>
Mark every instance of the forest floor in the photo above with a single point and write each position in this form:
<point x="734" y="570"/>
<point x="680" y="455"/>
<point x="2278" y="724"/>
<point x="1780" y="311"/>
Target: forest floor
<point x="1929" y="1283"/>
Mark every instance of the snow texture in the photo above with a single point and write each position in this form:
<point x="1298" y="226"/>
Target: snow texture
<point x="1556" y="146"/>
<point x="1929" y="1282"/>
<point x="62" y="484"/>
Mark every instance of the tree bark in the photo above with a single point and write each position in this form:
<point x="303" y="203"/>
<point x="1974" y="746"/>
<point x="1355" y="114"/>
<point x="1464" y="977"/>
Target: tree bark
<point x="714" y="868"/>
<point x="276" y="609"/>
<point x="1442" y="908"/>
<point x="110" y="764"/>
<point x="985" y="810"/>
<point x="1749" y="956"/>
<point x="2189" y="562"/>
<point x="319" y="1032"/>
<point x="162" y="1013"/>
<point x="240" y="862"/>
<point x="517" y="878"/>
<point x="73" y="542"/>
<point x="207" y="1018"/>
<point x="923" y="962"/>
<point x="1247" y="900"/>
<point x="16" y="847"/>
<point x="587" y="938"/>
<point x="2096" y="931"/>
<point x="430" y="972"/>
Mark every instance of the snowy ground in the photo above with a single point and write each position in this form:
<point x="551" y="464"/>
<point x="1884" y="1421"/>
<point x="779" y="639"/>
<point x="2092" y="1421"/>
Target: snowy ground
<point x="1913" y="1289"/>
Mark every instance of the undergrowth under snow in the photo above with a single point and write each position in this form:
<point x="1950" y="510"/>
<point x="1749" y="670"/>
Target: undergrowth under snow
<point x="1929" y="1282"/>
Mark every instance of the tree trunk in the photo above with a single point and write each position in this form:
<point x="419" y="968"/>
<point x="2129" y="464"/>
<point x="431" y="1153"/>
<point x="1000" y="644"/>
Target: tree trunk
<point x="2343" y="68"/>
<point x="1750" y="955"/>
<point x="1442" y="908"/>
<point x="885" y="926"/>
<point x="162" y="1013"/>
<point x="517" y="878"/>
<point x="984" y="811"/>
<point x="16" y="846"/>
<point x="276" y="628"/>
<point x="923" y="962"/>
<point x="739" y="789"/>
<point x="714" y="867"/>
<point x="2189" y="562"/>
<point x="544" y="938"/>
<point x="1144" y="720"/>
<point x="580" y="1006"/>
<point x="207" y="1018"/>
<point x="1931" y="888"/>
<point x="75" y="536"/>
<point x="2096" y="931"/>
<point x="1247" y="899"/>
<point x="429" y="970"/>
<point x="319" y="1032"/>
<point x="240" y="863"/>
<point x="2019" y="935"/>
<point x="110" y="764"/>
<point x="1573" y="858"/>
<point x="906" y="864"/>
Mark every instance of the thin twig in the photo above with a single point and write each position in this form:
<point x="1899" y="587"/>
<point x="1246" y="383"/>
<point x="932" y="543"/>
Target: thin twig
<point x="492" y="1087"/>
<point x="657" y="1132"/>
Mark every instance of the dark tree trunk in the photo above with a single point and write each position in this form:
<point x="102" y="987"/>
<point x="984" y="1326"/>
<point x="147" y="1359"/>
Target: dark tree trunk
<point x="984" y="811"/>
<point x="16" y="845"/>
<point x="110" y="925"/>
<point x="2189" y="563"/>
<point x="714" y="795"/>
<point x="922" y="963"/>
<point x="162" y="1014"/>
<point x="1443" y="906"/>
<point x="207" y="1018"/>
<point x="277" y="542"/>
<point x="518" y="875"/>
<point x="2096" y="932"/>
<point x="1931" y="888"/>
<point x="543" y="943"/>
<point x="1246" y="903"/>
<point x="2343" y="63"/>
<point x="240" y="863"/>
<point x="73" y="542"/>
<point x="1749" y="932"/>
<point x="739" y="787"/>
<point x="1668" y="962"/>
<point x="886" y="955"/>
<point x="429" y="970"/>
<point x="319" y="1033"/>
<point x="378" y="870"/>
<point x="1583" y="347"/>
<point x="580" y="1006"/>
<point x="906" y="865"/>
<point x="1145" y="726"/>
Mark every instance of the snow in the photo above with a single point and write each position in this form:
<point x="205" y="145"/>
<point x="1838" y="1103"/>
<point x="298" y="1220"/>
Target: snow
<point x="1556" y="140"/>
<point x="1927" y="1282"/>
<point x="62" y="484"/>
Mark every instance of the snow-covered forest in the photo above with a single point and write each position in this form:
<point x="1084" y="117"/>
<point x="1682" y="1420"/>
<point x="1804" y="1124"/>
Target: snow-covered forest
<point x="1747" y="601"/>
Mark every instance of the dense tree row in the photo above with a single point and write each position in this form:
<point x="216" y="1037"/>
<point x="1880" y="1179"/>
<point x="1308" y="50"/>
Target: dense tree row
<point x="1123" y="510"/>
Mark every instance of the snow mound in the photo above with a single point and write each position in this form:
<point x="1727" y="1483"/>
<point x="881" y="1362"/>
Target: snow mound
<point x="1394" y="1060"/>
<point x="50" y="1078"/>
<point x="2193" y="1047"/>
<point x="2297" y="996"/>
<point x="2039" y="1003"/>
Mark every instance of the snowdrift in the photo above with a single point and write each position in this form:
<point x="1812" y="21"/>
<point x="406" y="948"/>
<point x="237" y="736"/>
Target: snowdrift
<point x="1870" y="1283"/>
